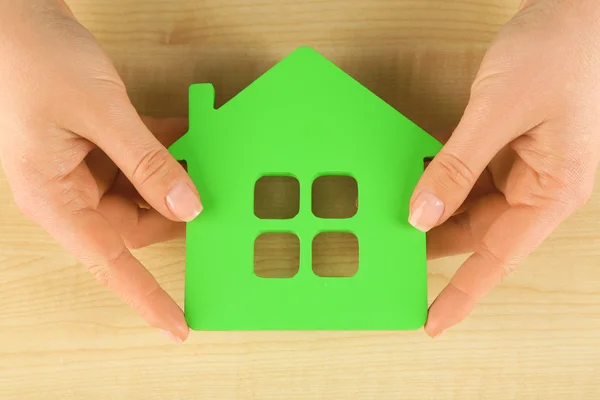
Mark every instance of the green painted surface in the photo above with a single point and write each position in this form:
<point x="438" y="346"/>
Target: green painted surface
<point x="306" y="118"/>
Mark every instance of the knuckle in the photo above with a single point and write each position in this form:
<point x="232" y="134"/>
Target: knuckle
<point x="570" y="186"/>
<point x="149" y="313"/>
<point x="101" y="269"/>
<point x="70" y="196"/>
<point x="25" y="203"/>
<point x="580" y="195"/>
<point x="28" y="197"/>
<point x="100" y="272"/>
<point x="36" y="197"/>
<point x="503" y="264"/>
<point x="49" y="156"/>
<point x="453" y="172"/>
<point x="116" y="257"/>
<point x="153" y="164"/>
<point x="133" y="243"/>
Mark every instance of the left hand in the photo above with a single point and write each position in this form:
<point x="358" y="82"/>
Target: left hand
<point x="68" y="128"/>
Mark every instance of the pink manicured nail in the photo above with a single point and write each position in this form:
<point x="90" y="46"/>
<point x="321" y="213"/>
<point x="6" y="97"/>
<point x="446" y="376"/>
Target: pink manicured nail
<point x="183" y="202"/>
<point x="171" y="336"/>
<point x="426" y="211"/>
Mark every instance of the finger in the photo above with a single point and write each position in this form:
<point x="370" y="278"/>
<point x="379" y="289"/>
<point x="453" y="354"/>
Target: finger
<point x="65" y="208"/>
<point x="509" y="240"/>
<point x="156" y="175"/>
<point x="99" y="247"/>
<point x="152" y="228"/>
<point x="451" y="238"/>
<point x="137" y="226"/>
<point x="458" y="235"/>
<point x="166" y="131"/>
<point x="122" y="187"/>
<point x="483" y="131"/>
<point x="483" y="186"/>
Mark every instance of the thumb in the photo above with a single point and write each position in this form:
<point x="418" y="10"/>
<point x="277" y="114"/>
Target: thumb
<point x="482" y="132"/>
<point x="149" y="166"/>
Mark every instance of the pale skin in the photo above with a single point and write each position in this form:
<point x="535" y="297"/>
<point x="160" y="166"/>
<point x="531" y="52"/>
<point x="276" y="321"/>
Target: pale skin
<point x="87" y="168"/>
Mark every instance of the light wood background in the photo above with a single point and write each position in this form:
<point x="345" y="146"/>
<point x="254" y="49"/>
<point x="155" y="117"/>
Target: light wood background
<point x="62" y="336"/>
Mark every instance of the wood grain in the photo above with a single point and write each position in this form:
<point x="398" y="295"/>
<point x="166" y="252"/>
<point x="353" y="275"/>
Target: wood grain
<point x="62" y="336"/>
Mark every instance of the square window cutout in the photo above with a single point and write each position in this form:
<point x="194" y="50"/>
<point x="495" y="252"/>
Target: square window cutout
<point x="334" y="196"/>
<point x="335" y="254"/>
<point x="276" y="197"/>
<point x="276" y="255"/>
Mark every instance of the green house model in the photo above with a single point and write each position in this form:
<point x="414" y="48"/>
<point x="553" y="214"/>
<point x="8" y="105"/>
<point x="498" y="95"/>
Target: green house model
<point x="304" y="118"/>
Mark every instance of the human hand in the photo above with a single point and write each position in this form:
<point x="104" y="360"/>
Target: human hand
<point x="523" y="157"/>
<point x="79" y="159"/>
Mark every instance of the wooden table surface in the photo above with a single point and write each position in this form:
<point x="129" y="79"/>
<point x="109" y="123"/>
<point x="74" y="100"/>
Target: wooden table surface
<point x="63" y="336"/>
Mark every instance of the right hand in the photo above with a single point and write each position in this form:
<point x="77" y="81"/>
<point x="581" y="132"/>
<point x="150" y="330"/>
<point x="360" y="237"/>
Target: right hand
<point x="523" y="157"/>
<point x="68" y="131"/>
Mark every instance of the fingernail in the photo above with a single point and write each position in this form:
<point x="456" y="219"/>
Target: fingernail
<point x="183" y="202"/>
<point x="171" y="336"/>
<point x="426" y="211"/>
<point x="439" y="334"/>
